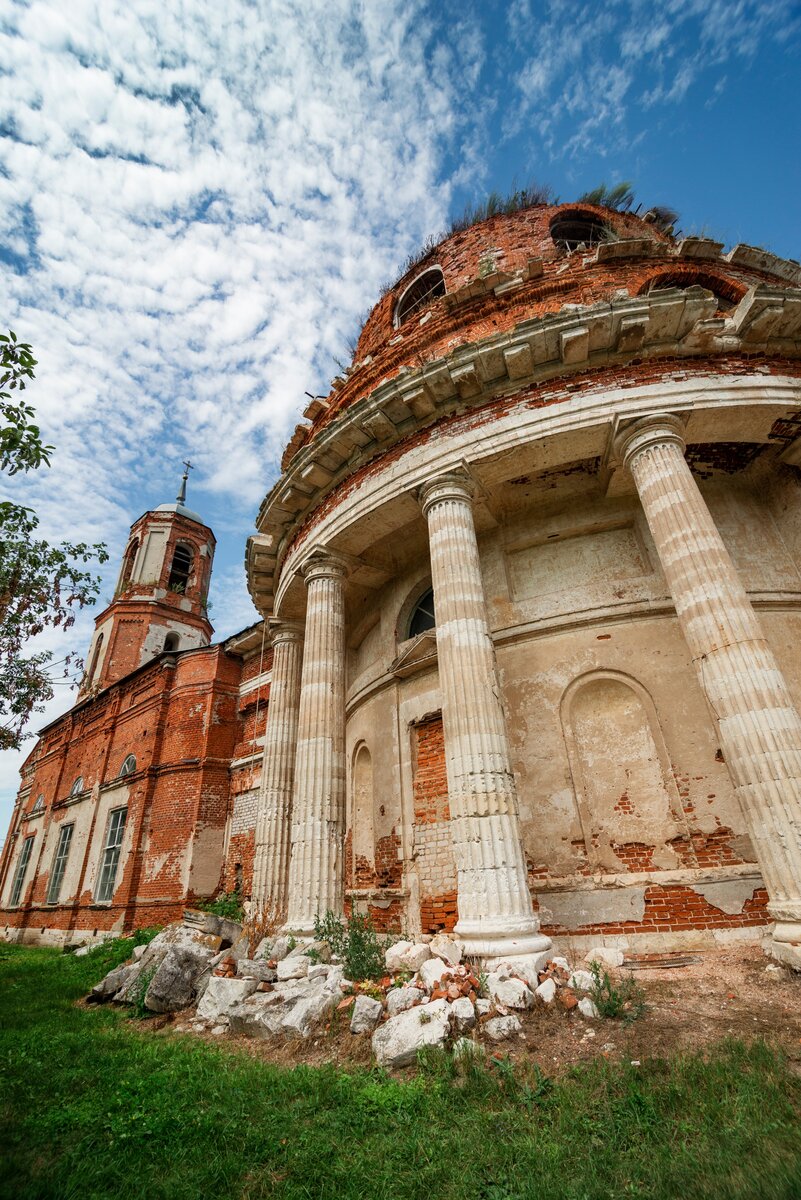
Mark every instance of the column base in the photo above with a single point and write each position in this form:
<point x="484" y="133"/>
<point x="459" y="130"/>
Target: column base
<point x="484" y="939"/>
<point x="784" y="943"/>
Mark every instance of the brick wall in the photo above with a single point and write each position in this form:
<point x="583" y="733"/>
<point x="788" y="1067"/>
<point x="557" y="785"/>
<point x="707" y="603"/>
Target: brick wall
<point x="432" y="853"/>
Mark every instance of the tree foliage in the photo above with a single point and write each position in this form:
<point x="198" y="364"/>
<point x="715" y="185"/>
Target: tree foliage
<point x="41" y="586"/>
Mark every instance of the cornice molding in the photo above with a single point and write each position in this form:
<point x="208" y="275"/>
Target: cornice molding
<point x="670" y="323"/>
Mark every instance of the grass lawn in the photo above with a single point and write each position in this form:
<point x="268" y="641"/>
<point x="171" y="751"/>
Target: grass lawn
<point x="94" y="1107"/>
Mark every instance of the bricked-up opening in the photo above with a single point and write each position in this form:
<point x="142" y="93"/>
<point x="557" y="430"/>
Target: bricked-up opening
<point x="727" y="293"/>
<point x="180" y="570"/>
<point x="576" y="228"/>
<point x="423" y="617"/>
<point x="420" y="292"/>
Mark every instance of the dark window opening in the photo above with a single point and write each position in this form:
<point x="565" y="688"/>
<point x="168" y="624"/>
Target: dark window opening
<point x="420" y="293"/>
<point x="180" y="570"/>
<point x="171" y="643"/>
<point x="728" y="295"/>
<point x="423" y="617"/>
<point x="95" y="658"/>
<point x="576" y="230"/>
<point x="238" y="878"/>
<point x="128" y="562"/>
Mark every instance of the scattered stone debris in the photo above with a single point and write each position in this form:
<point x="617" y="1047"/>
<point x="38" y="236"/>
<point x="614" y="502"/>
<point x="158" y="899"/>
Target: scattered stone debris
<point x="284" y="988"/>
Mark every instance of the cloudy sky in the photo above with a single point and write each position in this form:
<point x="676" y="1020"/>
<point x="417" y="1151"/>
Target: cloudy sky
<point x="199" y="201"/>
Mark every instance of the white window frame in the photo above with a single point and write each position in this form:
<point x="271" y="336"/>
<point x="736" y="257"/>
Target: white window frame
<point x="59" y="862"/>
<point x="110" y="858"/>
<point x="21" y="870"/>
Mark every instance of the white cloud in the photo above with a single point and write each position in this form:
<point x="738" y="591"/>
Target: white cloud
<point x="201" y="200"/>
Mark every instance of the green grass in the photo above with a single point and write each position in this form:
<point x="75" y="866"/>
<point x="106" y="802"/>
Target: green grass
<point x="92" y="1106"/>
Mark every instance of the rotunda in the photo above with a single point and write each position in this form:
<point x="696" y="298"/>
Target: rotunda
<point x="532" y="572"/>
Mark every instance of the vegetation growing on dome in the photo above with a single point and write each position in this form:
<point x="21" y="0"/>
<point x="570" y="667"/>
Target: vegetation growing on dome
<point x="620" y="197"/>
<point x="531" y="196"/>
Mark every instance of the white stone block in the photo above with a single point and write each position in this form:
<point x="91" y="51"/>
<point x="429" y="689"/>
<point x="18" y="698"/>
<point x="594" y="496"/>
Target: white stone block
<point x="432" y="971"/>
<point x="546" y="991"/>
<point x="447" y="949"/>
<point x="463" y="1015"/>
<point x="365" y="1014"/>
<point x="396" y="1043"/>
<point x="512" y="993"/>
<point x="501" y="1028"/>
<point x="221" y="993"/>
<point x="582" y="980"/>
<point x="294" y="967"/>
<point x="607" y="956"/>
<point x="399" y="999"/>
<point x="394" y="956"/>
<point x="588" y="1009"/>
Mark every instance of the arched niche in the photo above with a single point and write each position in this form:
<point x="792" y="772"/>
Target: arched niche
<point x="627" y="799"/>
<point x="362" y="811"/>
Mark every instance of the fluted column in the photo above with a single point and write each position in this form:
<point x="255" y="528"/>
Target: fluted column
<point x="271" y="860"/>
<point x="495" y="911"/>
<point x="316" y="874"/>
<point x="760" y="730"/>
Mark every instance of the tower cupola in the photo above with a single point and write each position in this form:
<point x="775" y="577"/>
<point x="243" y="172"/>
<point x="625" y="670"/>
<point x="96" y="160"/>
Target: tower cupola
<point x="160" y="603"/>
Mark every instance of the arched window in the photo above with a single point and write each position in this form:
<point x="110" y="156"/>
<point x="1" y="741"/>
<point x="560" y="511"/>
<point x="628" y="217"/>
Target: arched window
<point x="77" y="786"/>
<point x="420" y="293"/>
<point x="90" y="675"/>
<point x="39" y="805"/>
<point x="422" y="617"/>
<point x="171" y="643"/>
<point x="128" y="767"/>
<point x="181" y="569"/>
<point x="128" y="562"/>
<point x="727" y="293"/>
<point x="577" y="228"/>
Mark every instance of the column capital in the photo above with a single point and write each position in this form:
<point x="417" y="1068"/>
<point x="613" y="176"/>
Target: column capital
<point x="322" y="563"/>
<point x="455" y="485"/>
<point x="659" y="429"/>
<point x="284" y="631"/>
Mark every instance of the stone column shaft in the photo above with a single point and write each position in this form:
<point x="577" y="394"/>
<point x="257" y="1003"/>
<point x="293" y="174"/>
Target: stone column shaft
<point x="271" y="861"/>
<point x="495" y="911"/>
<point x="316" y="875"/>
<point x="759" y="726"/>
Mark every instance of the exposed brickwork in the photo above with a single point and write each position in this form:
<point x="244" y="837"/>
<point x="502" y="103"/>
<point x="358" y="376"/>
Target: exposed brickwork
<point x="432" y="839"/>
<point x="509" y="241"/>
<point x="676" y="908"/>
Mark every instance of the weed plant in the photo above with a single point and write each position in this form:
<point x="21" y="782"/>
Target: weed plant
<point x="625" y="1000"/>
<point x="354" y="942"/>
<point x="229" y="906"/>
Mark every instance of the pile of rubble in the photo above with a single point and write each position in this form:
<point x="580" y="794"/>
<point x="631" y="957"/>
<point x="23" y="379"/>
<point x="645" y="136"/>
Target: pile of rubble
<point x="428" y="996"/>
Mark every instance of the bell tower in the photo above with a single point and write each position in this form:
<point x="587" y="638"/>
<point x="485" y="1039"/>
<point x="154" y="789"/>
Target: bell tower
<point x="160" y="601"/>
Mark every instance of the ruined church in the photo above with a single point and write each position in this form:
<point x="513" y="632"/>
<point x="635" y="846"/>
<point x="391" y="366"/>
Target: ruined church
<point x="528" y="663"/>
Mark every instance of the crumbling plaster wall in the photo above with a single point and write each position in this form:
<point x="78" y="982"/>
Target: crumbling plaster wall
<point x="575" y="595"/>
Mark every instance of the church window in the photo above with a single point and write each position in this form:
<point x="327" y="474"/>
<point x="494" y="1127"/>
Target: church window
<point x="22" y="867"/>
<point x="171" y="643"/>
<point x="111" y="854"/>
<point x="39" y="805"/>
<point x="419" y="294"/>
<point x="577" y="229"/>
<point x="77" y="786"/>
<point x="95" y="658"/>
<point x="423" y="617"/>
<point x="181" y="569"/>
<point x="59" y="863"/>
<point x="128" y="767"/>
<point x="128" y="562"/>
<point x="727" y="294"/>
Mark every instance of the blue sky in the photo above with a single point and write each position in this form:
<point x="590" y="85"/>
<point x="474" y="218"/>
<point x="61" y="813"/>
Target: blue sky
<point x="199" y="202"/>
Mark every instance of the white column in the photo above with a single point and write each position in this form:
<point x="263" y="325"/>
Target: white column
<point x="316" y="868"/>
<point x="271" y="861"/>
<point x="495" y="911"/>
<point x="759" y="726"/>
